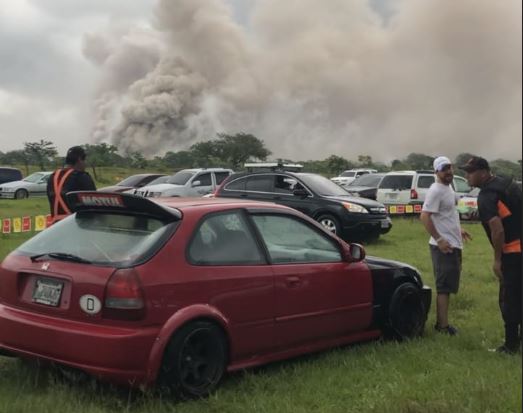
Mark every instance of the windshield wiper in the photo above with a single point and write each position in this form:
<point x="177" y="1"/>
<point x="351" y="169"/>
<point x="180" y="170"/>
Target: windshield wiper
<point x="61" y="256"/>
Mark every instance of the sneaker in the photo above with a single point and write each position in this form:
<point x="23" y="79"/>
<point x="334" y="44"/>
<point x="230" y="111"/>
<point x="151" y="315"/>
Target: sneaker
<point x="450" y="330"/>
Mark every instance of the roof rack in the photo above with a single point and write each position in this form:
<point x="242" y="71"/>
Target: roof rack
<point x="272" y="166"/>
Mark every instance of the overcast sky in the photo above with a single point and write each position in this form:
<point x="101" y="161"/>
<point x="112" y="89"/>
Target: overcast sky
<point x="346" y="77"/>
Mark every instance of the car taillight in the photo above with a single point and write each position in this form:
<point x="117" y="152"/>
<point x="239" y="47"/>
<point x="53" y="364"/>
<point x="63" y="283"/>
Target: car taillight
<point x="124" y="299"/>
<point x="413" y="194"/>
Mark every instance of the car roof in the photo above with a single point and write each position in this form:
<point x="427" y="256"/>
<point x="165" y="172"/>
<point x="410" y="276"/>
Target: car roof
<point x="410" y="173"/>
<point x="204" y="169"/>
<point x="215" y="203"/>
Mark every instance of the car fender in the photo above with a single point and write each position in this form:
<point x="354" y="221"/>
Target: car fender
<point x="177" y="320"/>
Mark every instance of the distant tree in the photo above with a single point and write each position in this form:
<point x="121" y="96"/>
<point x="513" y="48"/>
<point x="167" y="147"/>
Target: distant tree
<point x="506" y="168"/>
<point x="364" y="160"/>
<point x="178" y="160"/>
<point x="419" y="161"/>
<point x="235" y="150"/>
<point x="101" y="154"/>
<point x="137" y="160"/>
<point x="398" y="165"/>
<point x="17" y="157"/>
<point x="41" y="153"/>
<point x="336" y="164"/>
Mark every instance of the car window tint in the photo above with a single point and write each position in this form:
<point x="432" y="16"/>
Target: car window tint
<point x="396" y="182"/>
<point x="348" y="174"/>
<point x="103" y="238"/>
<point x="236" y="185"/>
<point x="425" y="181"/>
<point x="260" y="183"/>
<point x="290" y="240"/>
<point x="284" y="184"/>
<point x="224" y="239"/>
<point x="205" y="179"/>
<point x="220" y="177"/>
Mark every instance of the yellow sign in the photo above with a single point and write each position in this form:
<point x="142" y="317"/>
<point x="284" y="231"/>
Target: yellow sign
<point x="39" y="222"/>
<point x="409" y="209"/>
<point x="393" y="210"/>
<point x="17" y="224"/>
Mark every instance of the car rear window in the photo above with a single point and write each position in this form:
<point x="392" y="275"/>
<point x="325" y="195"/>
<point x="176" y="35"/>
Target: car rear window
<point x="425" y="181"/>
<point x="103" y="238"/>
<point x="367" y="180"/>
<point x="397" y="182"/>
<point x="348" y="174"/>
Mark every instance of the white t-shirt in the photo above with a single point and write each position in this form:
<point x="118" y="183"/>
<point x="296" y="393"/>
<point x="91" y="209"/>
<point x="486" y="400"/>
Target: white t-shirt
<point x="440" y="201"/>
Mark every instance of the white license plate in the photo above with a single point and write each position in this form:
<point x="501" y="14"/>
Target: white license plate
<point x="47" y="292"/>
<point x="392" y="196"/>
<point x="385" y="224"/>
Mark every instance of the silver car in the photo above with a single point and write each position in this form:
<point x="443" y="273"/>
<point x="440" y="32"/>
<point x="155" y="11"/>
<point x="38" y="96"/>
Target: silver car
<point x="34" y="185"/>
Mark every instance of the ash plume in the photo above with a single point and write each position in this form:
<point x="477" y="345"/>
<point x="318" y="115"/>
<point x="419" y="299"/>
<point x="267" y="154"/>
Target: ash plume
<point x="317" y="78"/>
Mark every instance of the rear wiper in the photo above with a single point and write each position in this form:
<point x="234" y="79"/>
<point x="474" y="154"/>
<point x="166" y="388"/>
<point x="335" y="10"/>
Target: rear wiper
<point x="61" y="256"/>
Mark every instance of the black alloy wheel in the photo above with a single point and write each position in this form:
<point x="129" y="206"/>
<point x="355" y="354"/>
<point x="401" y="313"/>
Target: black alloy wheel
<point x="330" y="223"/>
<point x="194" y="361"/>
<point x="407" y="315"/>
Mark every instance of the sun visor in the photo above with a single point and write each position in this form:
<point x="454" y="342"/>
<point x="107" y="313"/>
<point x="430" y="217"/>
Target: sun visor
<point x="107" y="201"/>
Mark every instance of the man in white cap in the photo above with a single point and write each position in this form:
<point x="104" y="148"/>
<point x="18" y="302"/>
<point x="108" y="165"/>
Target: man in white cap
<point x="441" y="220"/>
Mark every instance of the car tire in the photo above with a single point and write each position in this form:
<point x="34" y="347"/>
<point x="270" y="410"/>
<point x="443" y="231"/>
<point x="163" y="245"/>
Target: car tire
<point x="194" y="361"/>
<point x="330" y="223"/>
<point x="407" y="314"/>
<point x="21" y="194"/>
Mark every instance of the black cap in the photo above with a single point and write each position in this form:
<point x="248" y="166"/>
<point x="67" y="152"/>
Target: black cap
<point x="475" y="163"/>
<point x="74" y="154"/>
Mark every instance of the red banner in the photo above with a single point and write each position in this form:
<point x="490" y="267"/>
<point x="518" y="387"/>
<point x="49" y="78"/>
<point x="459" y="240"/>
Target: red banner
<point x="26" y="224"/>
<point x="6" y="226"/>
<point x="48" y="220"/>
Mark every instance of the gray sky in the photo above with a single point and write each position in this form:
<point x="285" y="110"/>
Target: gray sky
<point x="310" y="78"/>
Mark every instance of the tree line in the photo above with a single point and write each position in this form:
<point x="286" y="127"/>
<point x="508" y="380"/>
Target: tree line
<point x="229" y="151"/>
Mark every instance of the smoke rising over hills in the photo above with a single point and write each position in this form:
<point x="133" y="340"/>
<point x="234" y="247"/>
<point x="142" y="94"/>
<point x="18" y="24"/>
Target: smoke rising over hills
<point x="315" y="78"/>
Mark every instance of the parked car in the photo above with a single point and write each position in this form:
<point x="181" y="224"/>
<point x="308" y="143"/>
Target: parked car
<point x="365" y="186"/>
<point x="351" y="218"/>
<point x="10" y="174"/>
<point x="410" y="187"/>
<point x="179" y="291"/>
<point x="131" y="182"/>
<point x="468" y="205"/>
<point x="187" y="183"/>
<point x="346" y="177"/>
<point x="34" y="185"/>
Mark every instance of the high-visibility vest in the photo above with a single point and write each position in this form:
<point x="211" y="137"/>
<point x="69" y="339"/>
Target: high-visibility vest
<point x="59" y="202"/>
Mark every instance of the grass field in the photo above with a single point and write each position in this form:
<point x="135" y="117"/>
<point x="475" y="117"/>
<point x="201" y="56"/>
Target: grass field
<point x="434" y="374"/>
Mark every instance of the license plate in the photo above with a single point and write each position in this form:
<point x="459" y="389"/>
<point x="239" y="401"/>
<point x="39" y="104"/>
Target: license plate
<point x="392" y="196"/>
<point x="47" y="292"/>
<point x="385" y="224"/>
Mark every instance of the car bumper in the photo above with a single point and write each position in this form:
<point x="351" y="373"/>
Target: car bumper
<point x="115" y="354"/>
<point x="7" y="195"/>
<point x="426" y="292"/>
<point x="366" y="226"/>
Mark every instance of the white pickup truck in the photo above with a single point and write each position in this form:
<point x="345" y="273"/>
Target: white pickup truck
<point x="346" y="177"/>
<point x="187" y="183"/>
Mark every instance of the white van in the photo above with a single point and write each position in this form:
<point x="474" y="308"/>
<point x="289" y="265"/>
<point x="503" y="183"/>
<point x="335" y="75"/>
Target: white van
<point x="410" y="187"/>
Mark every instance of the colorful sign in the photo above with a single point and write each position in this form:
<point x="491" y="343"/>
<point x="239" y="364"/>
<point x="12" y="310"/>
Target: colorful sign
<point x="40" y="223"/>
<point x="6" y="226"/>
<point x="26" y="224"/>
<point x="17" y="224"/>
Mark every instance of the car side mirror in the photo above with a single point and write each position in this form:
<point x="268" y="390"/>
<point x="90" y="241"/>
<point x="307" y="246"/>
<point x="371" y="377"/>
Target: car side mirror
<point x="196" y="183"/>
<point x="355" y="253"/>
<point x="301" y="192"/>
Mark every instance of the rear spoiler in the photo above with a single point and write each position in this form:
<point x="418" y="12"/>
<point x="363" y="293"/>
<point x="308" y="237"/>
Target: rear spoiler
<point x="119" y="202"/>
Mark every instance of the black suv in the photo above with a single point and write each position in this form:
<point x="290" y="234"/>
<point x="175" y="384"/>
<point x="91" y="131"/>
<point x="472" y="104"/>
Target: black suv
<point x="351" y="218"/>
<point x="10" y="175"/>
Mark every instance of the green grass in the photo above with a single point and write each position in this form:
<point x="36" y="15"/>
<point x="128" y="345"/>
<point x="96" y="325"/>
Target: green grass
<point x="434" y="374"/>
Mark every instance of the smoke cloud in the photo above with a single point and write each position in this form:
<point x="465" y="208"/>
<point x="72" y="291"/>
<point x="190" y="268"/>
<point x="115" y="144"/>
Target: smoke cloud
<point x="317" y="78"/>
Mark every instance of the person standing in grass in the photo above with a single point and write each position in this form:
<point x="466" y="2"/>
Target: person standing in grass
<point x="499" y="207"/>
<point x="72" y="177"/>
<point x="441" y="220"/>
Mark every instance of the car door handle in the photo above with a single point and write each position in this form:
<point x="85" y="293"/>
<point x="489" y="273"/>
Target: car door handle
<point x="293" y="281"/>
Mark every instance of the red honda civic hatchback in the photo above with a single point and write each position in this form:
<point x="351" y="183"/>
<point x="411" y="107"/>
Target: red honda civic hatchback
<point x="176" y="292"/>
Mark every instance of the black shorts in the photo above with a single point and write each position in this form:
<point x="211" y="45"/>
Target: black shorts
<point x="447" y="270"/>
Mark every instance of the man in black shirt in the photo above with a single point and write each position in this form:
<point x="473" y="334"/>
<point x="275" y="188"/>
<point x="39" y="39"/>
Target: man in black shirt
<point x="499" y="206"/>
<point x="70" y="178"/>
